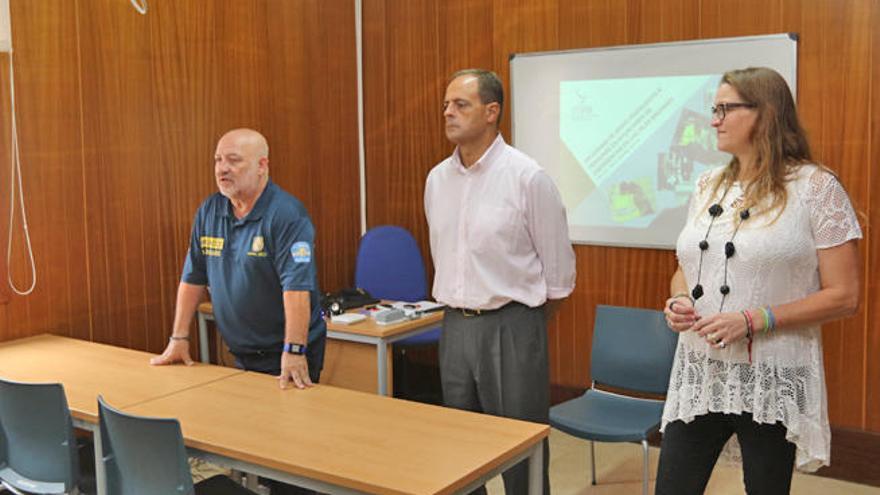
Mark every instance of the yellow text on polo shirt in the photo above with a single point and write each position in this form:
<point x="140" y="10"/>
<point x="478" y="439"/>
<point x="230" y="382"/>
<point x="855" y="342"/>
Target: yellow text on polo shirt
<point x="211" y="246"/>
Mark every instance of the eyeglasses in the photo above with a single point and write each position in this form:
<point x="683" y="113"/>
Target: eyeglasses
<point x="720" y="110"/>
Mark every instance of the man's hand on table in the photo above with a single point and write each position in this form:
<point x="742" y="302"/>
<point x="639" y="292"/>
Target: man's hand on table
<point x="177" y="351"/>
<point x="294" y="368"/>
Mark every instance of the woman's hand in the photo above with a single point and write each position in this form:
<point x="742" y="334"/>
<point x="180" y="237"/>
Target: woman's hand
<point x="680" y="313"/>
<point x="722" y="329"/>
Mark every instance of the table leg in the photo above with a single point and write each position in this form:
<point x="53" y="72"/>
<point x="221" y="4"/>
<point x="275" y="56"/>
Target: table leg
<point x="204" y="351"/>
<point x="100" y="474"/>
<point x="536" y="469"/>
<point x="382" y="366"/>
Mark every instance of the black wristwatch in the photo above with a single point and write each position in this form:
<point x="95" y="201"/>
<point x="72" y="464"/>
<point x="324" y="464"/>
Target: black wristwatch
<point x="298" y="349"/>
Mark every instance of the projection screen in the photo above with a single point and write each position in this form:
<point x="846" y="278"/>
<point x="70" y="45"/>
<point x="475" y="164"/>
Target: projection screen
<point x="625" y="131"/>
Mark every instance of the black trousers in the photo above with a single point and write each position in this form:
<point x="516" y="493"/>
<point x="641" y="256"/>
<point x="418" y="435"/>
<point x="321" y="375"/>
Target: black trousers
<point x="269" y="362"/>
<point x="689" y="452"/>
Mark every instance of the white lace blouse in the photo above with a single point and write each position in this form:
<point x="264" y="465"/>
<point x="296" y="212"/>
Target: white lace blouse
<point x="775" y="262"/>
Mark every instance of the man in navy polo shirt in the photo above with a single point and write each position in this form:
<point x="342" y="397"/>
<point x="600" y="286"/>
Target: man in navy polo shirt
<point x="253" y="245"/>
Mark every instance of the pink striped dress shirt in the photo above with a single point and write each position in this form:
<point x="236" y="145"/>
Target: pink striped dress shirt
<point x="498" y="231"/>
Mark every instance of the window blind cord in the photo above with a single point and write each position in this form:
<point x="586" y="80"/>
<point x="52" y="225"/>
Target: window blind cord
<point x="15" y="180"/>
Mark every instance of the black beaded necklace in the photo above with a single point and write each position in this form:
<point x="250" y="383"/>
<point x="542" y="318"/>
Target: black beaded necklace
<point x="729" y="249"/>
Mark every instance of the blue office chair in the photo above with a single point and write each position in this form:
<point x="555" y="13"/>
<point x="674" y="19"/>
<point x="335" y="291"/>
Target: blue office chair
<point x="633" y="350"/>
<point x="146" y="456"/>
<point x="38" y="451"/>
<point x="389" y="266"/>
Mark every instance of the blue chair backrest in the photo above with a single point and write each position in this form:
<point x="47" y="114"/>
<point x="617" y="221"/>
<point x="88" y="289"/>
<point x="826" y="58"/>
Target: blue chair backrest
<point x="36" y="433"/>
<point x="632" y="349"/>
<point x="143" y="456"/>
<point x="389" y="265"/>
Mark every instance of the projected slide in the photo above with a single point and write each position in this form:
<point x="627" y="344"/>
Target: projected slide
<point x="625" y="131"/>
<point x="638" y="143"/>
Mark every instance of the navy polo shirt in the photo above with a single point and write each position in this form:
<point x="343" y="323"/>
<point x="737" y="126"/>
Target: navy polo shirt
<point x="248" y="263"/>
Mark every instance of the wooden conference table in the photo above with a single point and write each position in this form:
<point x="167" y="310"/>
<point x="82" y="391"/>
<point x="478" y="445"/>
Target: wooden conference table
<point x="357" y="354"/>
<point x="325" y="438"/>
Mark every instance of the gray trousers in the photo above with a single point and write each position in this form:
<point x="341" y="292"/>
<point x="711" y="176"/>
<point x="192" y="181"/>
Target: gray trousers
<point x="496" y="363"/>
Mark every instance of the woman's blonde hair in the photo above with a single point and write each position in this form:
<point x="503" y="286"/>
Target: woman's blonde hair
<point x="779" y="141"/>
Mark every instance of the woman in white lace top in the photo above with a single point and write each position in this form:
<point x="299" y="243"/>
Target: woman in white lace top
<point x="767" y="255"/>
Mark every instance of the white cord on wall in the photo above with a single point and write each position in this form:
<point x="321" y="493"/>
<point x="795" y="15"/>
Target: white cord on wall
<point x="15" y="184"/>
<point x="15" y="180"/>
<point x="140" y="6"/>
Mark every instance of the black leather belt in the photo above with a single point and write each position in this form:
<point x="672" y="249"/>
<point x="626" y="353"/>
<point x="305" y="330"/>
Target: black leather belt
<point x="467" y="312"/>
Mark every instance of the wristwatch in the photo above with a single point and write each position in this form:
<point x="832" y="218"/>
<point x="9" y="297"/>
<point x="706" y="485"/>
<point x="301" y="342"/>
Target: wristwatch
<point x="298" y="349"/>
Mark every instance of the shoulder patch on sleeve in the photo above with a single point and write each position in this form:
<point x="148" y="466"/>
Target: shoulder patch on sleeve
<point x="301" y="252"/>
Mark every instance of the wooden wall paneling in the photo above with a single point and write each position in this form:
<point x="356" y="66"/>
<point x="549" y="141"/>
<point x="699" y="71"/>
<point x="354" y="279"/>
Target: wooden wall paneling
<point x="338" y="160"/>
<point x="522" y="26"/>
<point x="673" y="20"/>
<point x="17" y="312"/>
<point x="593" y="23"/>
<point x="377" y="145"/>
<point x="52" y="163"/>
<point x="313" y="124"/>
<point x="186" y="94"/>
<point x="871" y="296"/>
<point x="241" y="44"/>
<point x="123" y="113"/>
<point x="416" y="116"/>
<point x="841" y="140"/>
<point x="813" y="84"/>
<point x="851" y="127"/>
<point x="464" y="30"/>
<point x="404" y="86"/>
<point x="5" y="152"/>
<point x="48" y="109"/>
<point x="120" y="190"/>
<point x="718" y="19"/>
<point x="411" y="85"/>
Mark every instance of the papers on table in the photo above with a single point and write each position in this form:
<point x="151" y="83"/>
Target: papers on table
<point x="392" y="312"/>
<point x="347" y="318"/>
<point x="418" y="308"/>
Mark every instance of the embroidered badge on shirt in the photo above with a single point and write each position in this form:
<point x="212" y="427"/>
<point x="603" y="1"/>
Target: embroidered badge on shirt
<point x="257" y="246"/>
<point x="301" y="252"/>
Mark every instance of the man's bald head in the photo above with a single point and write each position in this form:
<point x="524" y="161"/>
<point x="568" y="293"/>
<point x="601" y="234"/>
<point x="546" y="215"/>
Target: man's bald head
<point x="249" y="140"/>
